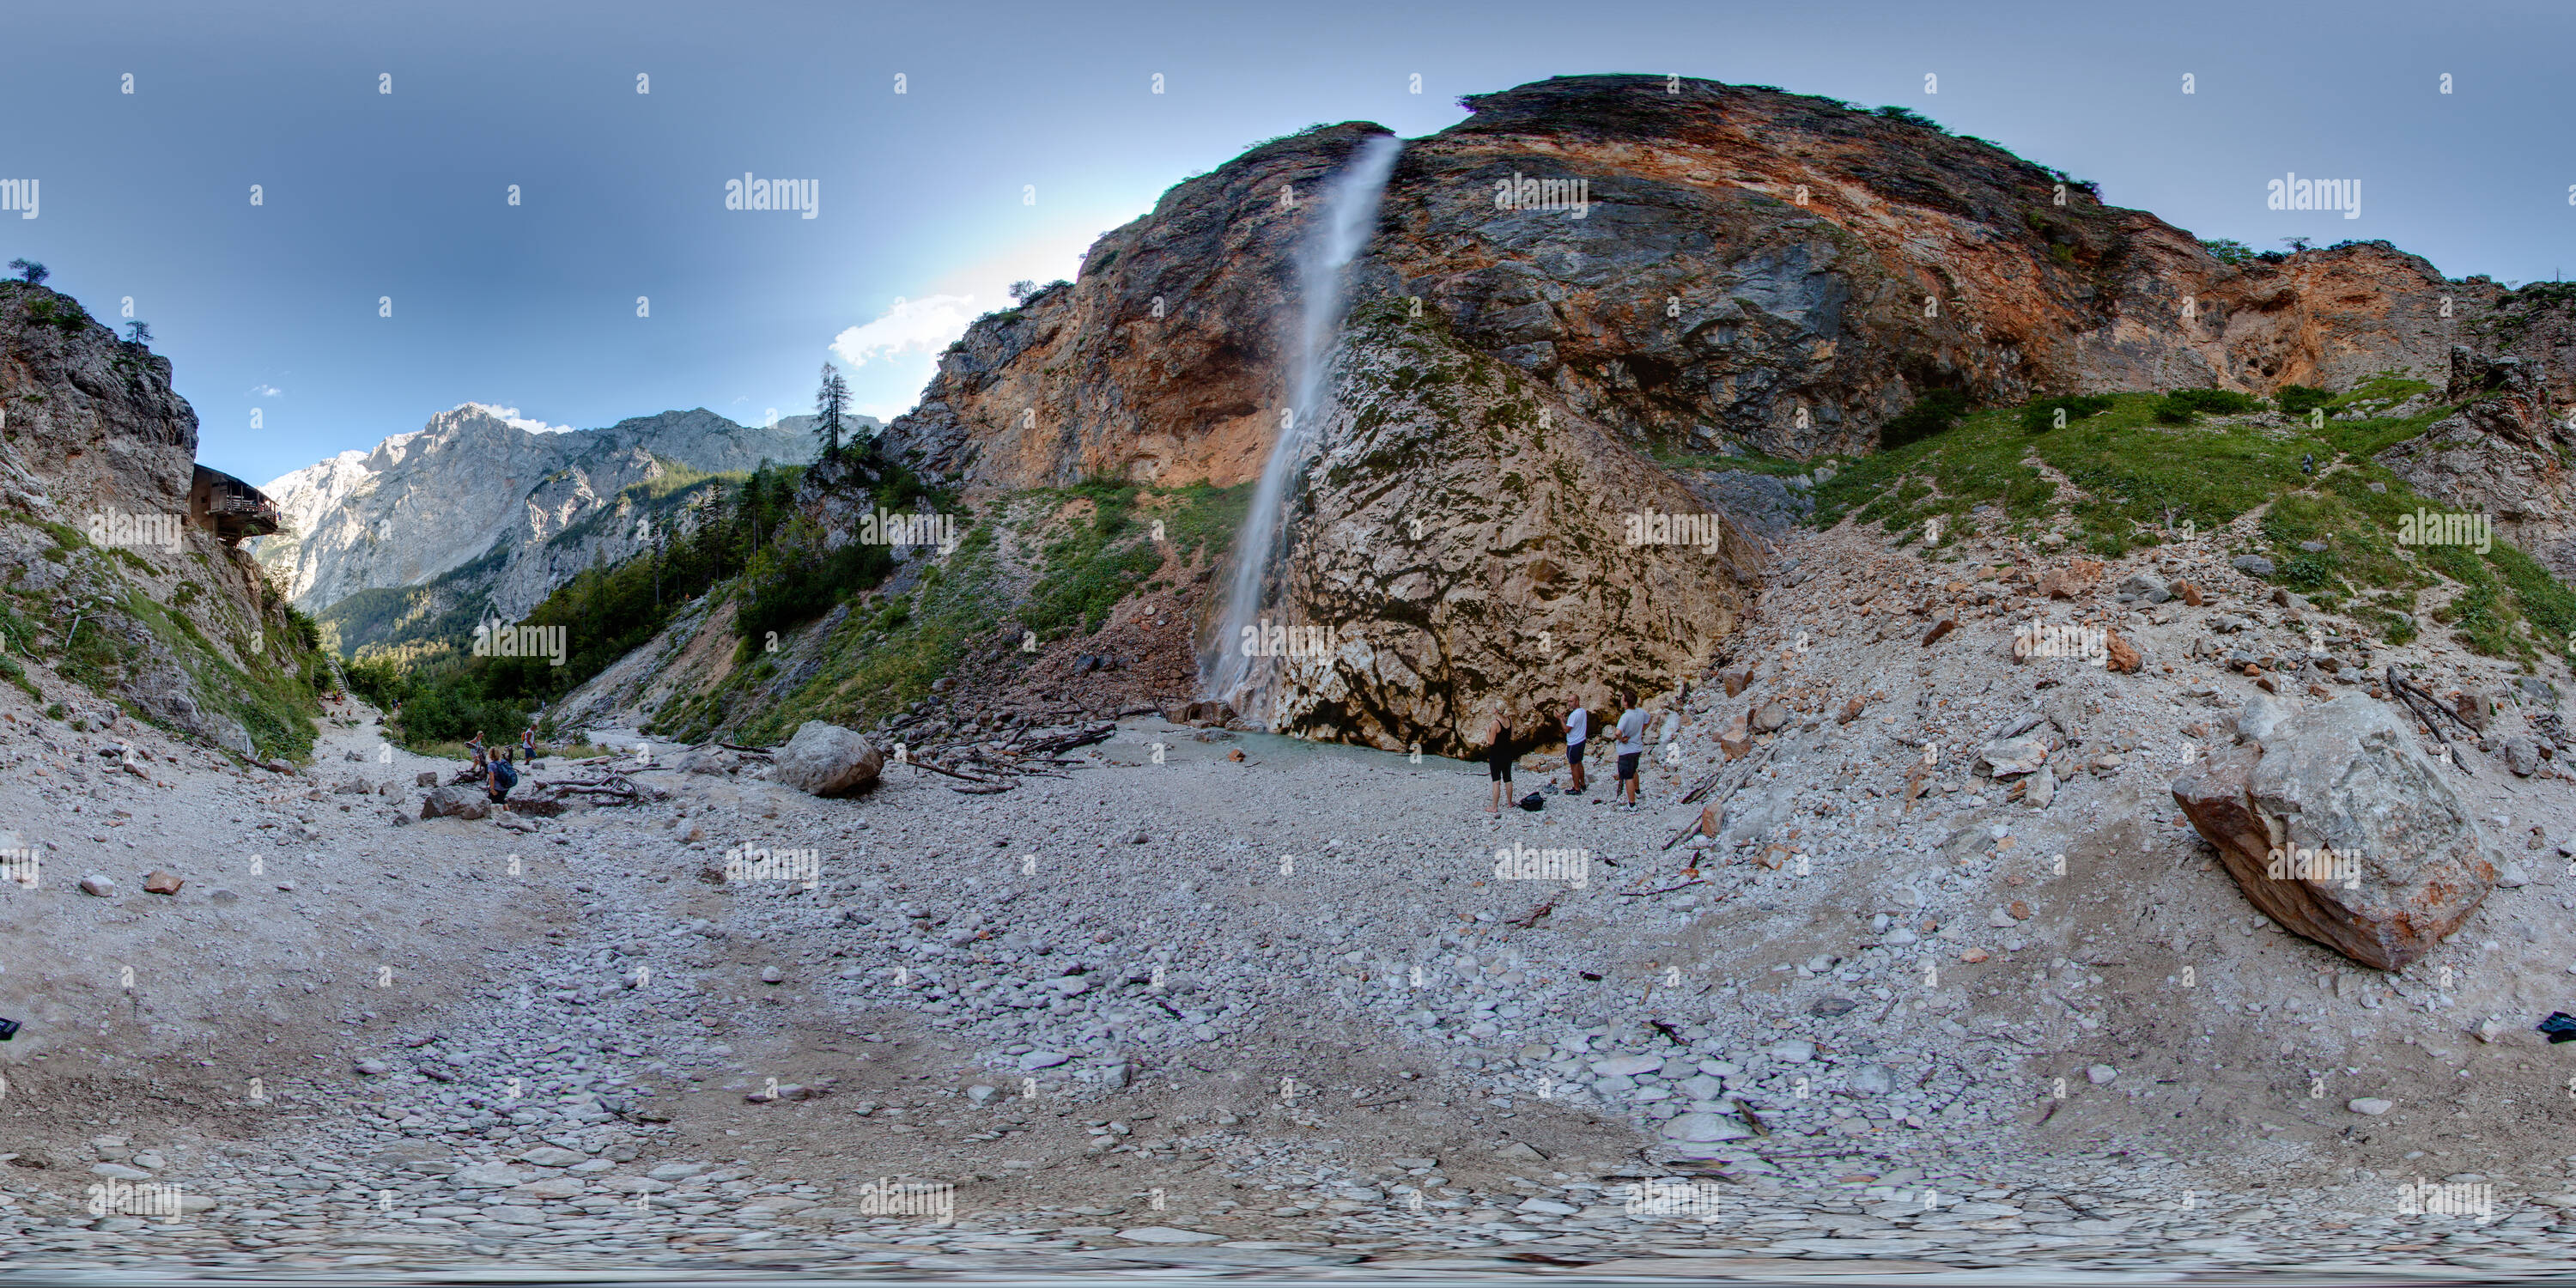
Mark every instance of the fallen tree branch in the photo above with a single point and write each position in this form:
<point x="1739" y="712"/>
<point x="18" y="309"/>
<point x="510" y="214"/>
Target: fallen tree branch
<point x="2416" y="699"/>
<point x="1067" y="742"/>
<point x="1693" y="795"/>
<point x="1640" y="894"/>
<point x="1744" y="774"/>
<point x="922" y="764"/>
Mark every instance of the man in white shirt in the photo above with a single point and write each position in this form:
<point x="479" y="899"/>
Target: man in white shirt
<point x="1578" y="728"/>
<point x="1632" y="744"/>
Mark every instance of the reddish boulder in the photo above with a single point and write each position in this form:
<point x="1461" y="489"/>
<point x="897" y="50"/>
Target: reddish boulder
<point x="2336" y="825"/>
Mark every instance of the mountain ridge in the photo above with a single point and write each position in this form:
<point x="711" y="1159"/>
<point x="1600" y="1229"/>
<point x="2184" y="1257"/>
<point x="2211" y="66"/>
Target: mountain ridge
<point x="469" y="484"/>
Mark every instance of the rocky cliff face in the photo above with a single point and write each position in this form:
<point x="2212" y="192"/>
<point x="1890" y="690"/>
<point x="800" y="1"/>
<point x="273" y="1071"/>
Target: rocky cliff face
<point x="1745" y="264"/>
<point x="472" y="488"/>
<point x="2502" y="454"/>
<point x="1645" y="266"/>
<point x="1467" y="542"/>
<point x="89" y="420"/>
<point x="109" y="599"/>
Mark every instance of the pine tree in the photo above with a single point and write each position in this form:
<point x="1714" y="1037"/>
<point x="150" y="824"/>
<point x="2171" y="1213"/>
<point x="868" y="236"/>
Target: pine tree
<point x="829" y="403"/>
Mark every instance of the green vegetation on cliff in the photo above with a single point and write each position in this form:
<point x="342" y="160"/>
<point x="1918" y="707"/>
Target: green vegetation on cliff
<point x="2135" y="478"/>
<point x="78" y="609"/>
<point x="740" y="536"/>
<point x="1074" y="554"/>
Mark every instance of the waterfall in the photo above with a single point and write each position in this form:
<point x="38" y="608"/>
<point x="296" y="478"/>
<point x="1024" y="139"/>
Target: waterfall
<point x="1335" y="238"/>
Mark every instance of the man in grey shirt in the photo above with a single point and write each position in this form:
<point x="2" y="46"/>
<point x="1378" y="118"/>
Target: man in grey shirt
<point x="1632" y="744"/>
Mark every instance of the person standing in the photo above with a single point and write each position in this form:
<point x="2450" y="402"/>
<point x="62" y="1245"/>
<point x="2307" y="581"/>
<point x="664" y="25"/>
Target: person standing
<point x="528" y="746"/>
<point x="1632" y="744"/>
<point x="1498" y="757"/>
<point x="1578" y="730"/>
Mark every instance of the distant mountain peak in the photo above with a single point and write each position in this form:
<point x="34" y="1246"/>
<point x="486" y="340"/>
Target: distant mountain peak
<point x="477" y="475"/>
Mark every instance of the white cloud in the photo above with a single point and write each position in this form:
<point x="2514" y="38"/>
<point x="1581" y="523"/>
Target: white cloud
<point x="264" y="391"/>
<point x="926" y="325"/>
<point x="517" y="421"/>
<point x="911" y="335"/>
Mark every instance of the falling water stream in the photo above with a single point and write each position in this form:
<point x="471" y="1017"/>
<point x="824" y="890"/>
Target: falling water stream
<point x="1335" y="239"/>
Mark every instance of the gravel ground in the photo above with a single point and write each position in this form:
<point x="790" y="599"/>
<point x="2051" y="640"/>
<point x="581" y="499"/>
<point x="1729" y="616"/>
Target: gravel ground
<point x="1174" y="1009"/>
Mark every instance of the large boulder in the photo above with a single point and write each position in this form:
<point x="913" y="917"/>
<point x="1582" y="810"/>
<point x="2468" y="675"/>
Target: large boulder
<point x="2407" y="864"/>
<point x="828" y="760"/>
<point x="456" y="802"/>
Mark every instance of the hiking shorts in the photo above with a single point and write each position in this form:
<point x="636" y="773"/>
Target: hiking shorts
<point x="1574" y="753"/>
<point x="1628" y="764"/>
<point x="1499" y="767"/>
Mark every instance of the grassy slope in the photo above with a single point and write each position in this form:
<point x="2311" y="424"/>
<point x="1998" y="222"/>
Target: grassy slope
<point x="275" y="697"/>
<point x="1095" y="545"/>
<point x="2141" y="481"/>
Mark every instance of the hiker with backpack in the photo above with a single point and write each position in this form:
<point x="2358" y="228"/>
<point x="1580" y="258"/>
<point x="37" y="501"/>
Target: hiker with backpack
<point x="499" y="778"/>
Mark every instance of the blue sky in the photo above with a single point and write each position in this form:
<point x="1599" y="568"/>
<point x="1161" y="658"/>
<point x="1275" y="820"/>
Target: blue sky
<point x="368" y="196"/>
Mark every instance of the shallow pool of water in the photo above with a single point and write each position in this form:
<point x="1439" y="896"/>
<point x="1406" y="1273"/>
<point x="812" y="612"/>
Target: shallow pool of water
<point x="1136" y="738"/>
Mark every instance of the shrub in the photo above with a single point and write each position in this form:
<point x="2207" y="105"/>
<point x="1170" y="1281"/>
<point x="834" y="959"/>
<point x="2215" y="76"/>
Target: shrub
<point x="2041" y="415"/>
<point x="1910" y="117"/>
<point x="1931" y="414"/>
<point x="2228" y="250"/>
<point x="2299" y="400"/>
<point x="2178" y="407"/>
